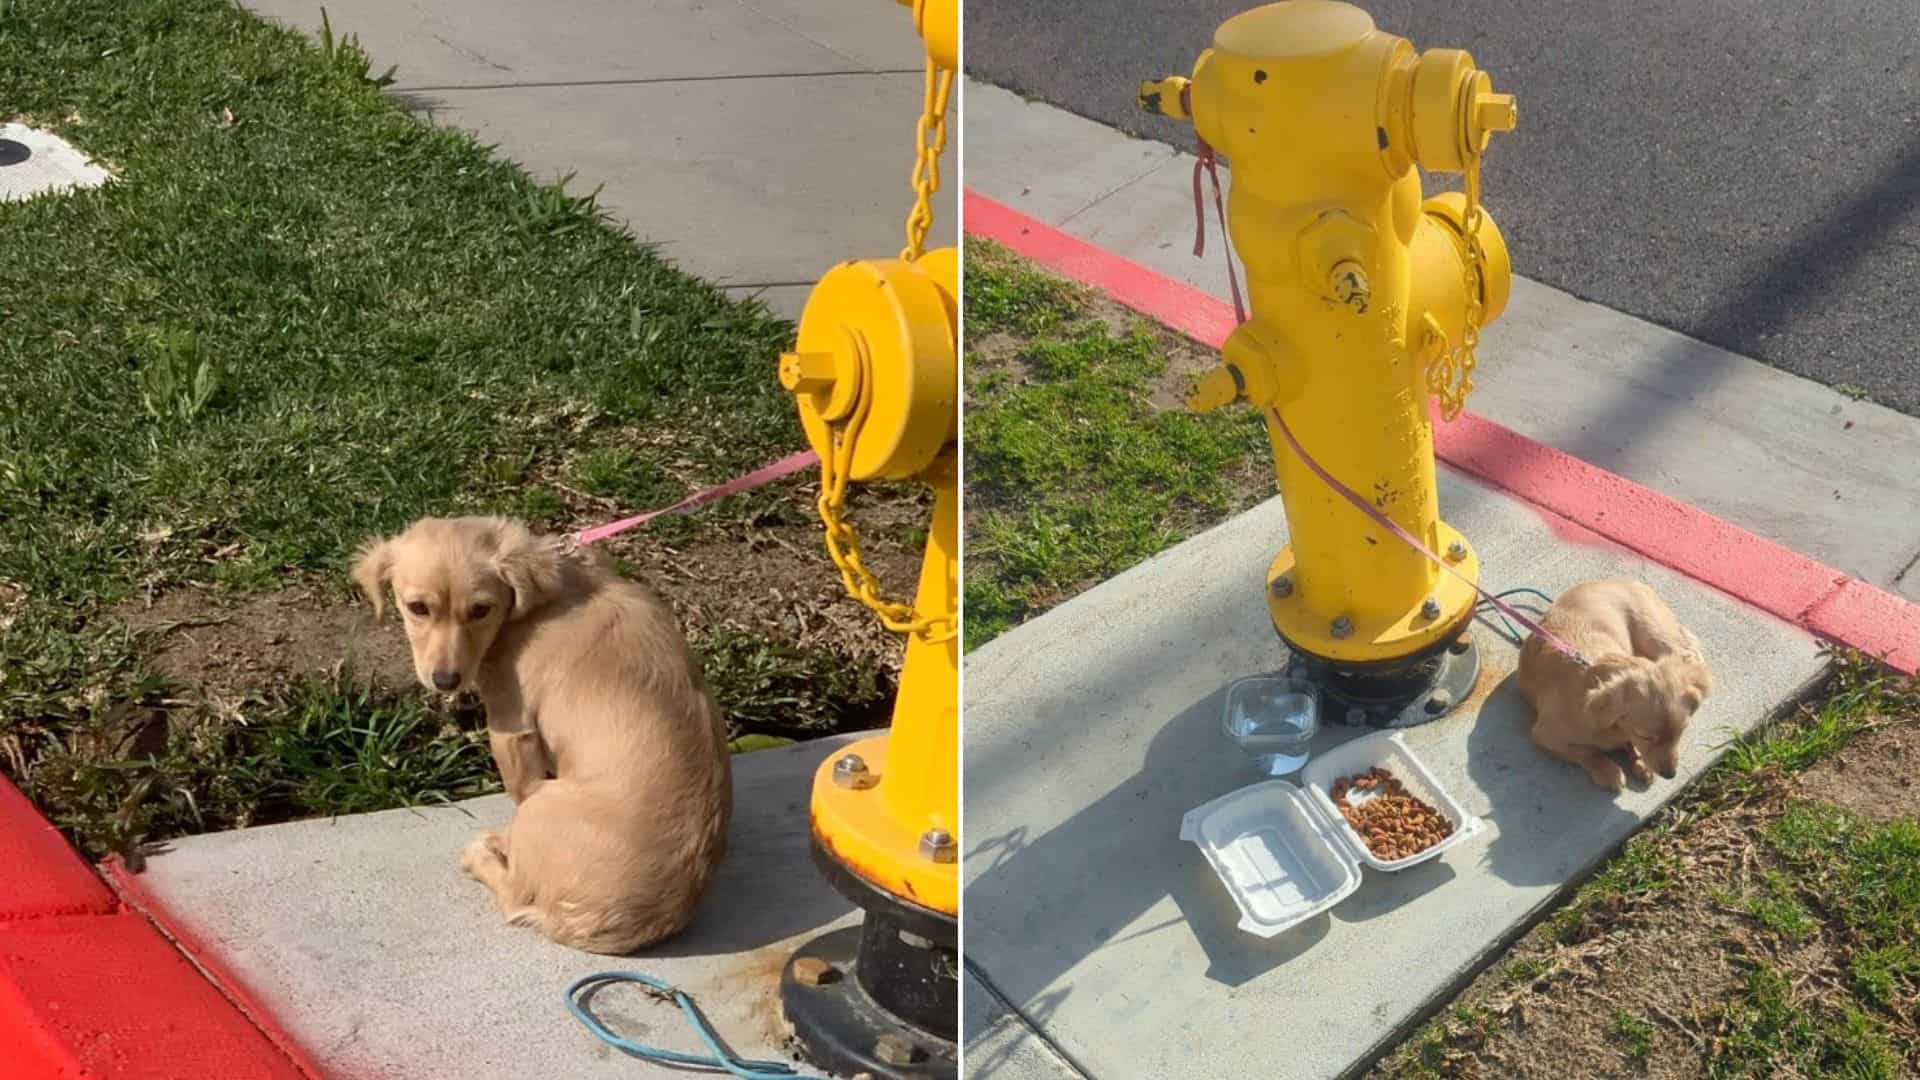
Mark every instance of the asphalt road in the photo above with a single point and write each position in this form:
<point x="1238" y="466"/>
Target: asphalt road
<point x="1744" y="172"/>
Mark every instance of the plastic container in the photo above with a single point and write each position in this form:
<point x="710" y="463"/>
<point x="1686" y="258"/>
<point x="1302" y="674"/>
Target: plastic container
<point x="1273" y="719"/>
<point x="1284" y="852"/>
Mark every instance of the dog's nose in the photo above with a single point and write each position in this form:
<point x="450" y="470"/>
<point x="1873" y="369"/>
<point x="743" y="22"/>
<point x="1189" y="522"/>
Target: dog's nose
<point x="446" y="681"/>
<point x="1670" y="773"/>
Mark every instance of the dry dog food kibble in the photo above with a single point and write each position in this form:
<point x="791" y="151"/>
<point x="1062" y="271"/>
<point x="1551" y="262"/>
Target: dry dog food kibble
<point x="1394" y="824"/>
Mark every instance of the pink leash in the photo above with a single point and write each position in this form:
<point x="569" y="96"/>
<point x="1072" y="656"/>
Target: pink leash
<point x="766" y="474"/>
<point x="1206" y="161"/>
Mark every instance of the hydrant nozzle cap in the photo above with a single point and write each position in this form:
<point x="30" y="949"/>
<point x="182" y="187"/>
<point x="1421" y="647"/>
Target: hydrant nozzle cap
<point x="1495" y="112"/>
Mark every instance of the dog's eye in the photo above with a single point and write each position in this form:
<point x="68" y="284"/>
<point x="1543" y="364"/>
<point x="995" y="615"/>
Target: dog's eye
<point x="418" y="608"/>
<point x="480" y="611"/>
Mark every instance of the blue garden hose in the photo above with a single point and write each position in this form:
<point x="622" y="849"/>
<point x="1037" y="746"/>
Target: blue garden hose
<point x="721" y="1061"/>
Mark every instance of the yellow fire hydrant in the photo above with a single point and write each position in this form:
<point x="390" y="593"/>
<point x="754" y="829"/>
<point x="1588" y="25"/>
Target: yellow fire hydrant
<point x="875" y="376"/>
<point x="1364" y="302"/>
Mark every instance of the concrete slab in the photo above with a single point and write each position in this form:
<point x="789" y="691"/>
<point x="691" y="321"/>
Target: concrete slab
<point x="878" y="36"/>
<point x="495" y="42"/>
<point x="746" y="182"/>
<point x="1781" y="456"/>
<point x="364" y="940"/>
<point x="35" y="162"/>
<point x="1094" y="728"/>
<point x="1000" y="1044"/>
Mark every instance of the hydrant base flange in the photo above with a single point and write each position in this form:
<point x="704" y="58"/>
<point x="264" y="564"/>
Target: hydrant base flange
<point x="886" y="989"/>
<point x="1304" y="613"/>
<point x="1400" y="695"/>
<point x="838" y="1025"/>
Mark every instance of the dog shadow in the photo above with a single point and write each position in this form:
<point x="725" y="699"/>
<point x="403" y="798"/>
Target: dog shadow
<point x="1547" y="815"/>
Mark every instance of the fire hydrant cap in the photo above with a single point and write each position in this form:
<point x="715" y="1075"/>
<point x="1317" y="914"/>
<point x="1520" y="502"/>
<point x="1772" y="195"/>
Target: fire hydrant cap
<point x="1294" y="28"/>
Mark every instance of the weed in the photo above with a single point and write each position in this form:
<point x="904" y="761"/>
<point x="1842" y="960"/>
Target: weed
<point x="345" y="55"/>
<point x="177" y="380"/>
<point x="1634" y="1034"/>
<point x="550" y="210"/>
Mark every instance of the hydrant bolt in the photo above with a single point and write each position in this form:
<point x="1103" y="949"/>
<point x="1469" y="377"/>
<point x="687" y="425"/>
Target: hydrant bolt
<point x="1342" y="627"/>
<point x="813" y="971"/>
<point x="1282" y="587"/>
<point x="896" y="1050"/>
<point x="1430" y="608"/>
<point x="1456" y="551"/>
<point x="851" y="772"/>
<point x="937" y="844"/>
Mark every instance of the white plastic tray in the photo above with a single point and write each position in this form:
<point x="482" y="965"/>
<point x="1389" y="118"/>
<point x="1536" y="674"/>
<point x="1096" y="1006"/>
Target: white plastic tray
<point x="1286" y="854"/>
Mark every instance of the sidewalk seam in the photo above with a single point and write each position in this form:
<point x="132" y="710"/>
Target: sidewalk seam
<point x="1000" y="998"/>
<point x="1064" y="222"/>
<point x="562" y="84"/>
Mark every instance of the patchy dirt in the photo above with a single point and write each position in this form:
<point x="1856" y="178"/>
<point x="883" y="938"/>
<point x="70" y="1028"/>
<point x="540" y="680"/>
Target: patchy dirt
<point x="777" y="581"/>
<point x="228" y="646"/>
<point x="1877" y="778"/>
<point x="12" y="599"/>
<point x="1641" y="986"/>
<point x="1000" y="352"/>
<point x="773" y="582"/>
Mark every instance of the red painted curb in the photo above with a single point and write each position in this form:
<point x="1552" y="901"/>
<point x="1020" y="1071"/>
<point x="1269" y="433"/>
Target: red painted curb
<point x="91" y="990"/>
<point x="1827" y="603"/>
<point x="191" y="943"/>
<point x="43" y="875"/>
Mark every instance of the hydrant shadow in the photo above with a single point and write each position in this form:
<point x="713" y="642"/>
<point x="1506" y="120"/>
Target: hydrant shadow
<point x="1097" y="878"/>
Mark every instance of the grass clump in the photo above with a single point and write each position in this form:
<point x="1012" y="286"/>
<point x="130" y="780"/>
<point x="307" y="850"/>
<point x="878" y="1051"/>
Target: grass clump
<point x="1080" y="461"/>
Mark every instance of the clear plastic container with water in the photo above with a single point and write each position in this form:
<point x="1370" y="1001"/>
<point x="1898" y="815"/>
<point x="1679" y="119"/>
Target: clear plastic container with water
<point x="1273" y="719"/>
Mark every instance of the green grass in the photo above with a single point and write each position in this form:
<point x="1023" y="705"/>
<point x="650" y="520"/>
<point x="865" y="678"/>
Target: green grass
<point x="1073" y="473"/>
<point x="299" y="318"/>
<point x="1634" y="1035"/>
<point x="1867" y="878"/>
<point x="1769" y="1026"/>
<point x="320" y="747"/>
<point x="1826" y="891"/>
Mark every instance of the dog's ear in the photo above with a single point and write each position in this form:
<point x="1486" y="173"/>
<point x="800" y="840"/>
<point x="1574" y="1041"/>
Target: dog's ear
<point x="1606" y="672"/>
<point x="372" y="570"/>
<point x="534" y="567"/>
<point x="1697" y="683"/>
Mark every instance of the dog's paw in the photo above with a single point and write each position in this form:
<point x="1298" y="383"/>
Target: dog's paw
<point x="1641" y="772"/>
<point x="1609" y="777"/>
<point x="484" y="854"/>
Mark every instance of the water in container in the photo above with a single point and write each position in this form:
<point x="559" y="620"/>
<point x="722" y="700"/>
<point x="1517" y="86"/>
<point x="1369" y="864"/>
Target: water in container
<point x="1273" y="719"/>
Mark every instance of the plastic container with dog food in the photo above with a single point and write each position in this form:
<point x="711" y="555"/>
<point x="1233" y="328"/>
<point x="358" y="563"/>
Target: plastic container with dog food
<point x="1284" y="851"/>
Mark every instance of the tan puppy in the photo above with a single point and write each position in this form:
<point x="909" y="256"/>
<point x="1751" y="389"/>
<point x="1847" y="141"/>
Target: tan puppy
<point x="1648" y="677"/>
<point x="598" y="717"/>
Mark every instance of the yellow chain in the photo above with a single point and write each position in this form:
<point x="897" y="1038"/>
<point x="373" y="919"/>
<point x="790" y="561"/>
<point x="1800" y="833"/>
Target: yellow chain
<point x="1450" y="373"/>
<point x="926" y="157"/>
<point x="836" y="467"/>
<point x="843" y="544"/>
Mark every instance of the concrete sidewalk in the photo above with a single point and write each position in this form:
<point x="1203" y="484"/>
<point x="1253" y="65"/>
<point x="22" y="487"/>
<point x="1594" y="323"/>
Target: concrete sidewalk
<point x="757" y="143"/>
<point x="369" y="947"/>
<point x="1109" y="947"/>
<point x="1094" y="728"/>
